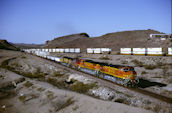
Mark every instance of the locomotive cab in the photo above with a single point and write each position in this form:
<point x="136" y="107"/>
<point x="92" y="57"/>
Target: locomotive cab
<point x="130" y="76"/>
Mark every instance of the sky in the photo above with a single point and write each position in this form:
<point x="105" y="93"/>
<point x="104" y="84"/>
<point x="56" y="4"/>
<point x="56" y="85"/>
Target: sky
<point x="35" y="21"/>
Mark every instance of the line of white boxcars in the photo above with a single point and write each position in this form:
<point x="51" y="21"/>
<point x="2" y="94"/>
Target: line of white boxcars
<point x="73" y="50"/>
<point x="43" y="54"/>
<point x="98" y="50"/>
<point x="146" y="51"/>
<point x="62" y="50"/>
<point x="123" y="51"/>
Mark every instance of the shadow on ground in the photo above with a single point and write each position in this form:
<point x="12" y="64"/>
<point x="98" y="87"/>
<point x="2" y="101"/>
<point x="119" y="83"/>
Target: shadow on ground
<point x="146" y="83"/>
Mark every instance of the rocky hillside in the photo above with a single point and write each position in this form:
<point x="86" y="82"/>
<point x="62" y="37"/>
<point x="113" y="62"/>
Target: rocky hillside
<point x="116" y="40"/>
<point x="74" y="40"/>
<point x="6" y="45"/>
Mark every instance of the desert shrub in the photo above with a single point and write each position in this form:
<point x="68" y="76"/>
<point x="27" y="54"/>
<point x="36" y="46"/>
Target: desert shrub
<point x="23" y="57"/>
<point x="104" y="58"/>
<point x="81" y="87"/>
<point x="66" y="104"/>
<point x="169" y="80"/>
<point x="28" y="84"/>
<point x="15" y="64"/>
<point x="144" y="72"/>
<point x="124" y="62"/>
<point x="57" y="83"/>
<point x="119" y="100"/>
<point x="75" y="108"/>
<point x="22" y="98"/>
<point x="138" y="63"/>
<point x="1" y="76"/>
<point x="50" y="94"/>
<point x="40" y="89"/>
<point x="170" y="40"/>
<point x="4" y="64"/>
<point x="57" y="74"/>
<point x="157" y="76"/>
<point x="150" y="67"/>
<point x="157" y="108"/>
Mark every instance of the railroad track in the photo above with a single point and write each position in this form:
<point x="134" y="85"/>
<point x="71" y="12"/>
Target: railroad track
<point x="112" y="84"/>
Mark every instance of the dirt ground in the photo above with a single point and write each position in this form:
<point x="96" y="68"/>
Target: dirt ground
<point x="36" y="86"/>
<point x="155" y="71"/>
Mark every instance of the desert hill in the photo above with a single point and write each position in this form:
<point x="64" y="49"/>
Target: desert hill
<point x="116" y="40"/>
<point x="4" y="44"/>
<point x="74" y="40"/>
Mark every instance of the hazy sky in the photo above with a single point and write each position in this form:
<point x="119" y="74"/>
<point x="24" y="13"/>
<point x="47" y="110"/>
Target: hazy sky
<point x="35" y="21"/>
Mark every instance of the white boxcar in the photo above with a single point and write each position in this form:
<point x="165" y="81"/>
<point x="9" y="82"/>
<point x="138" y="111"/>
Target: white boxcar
<point x="50" y="50"/>
<point x="61" y="50"/>
<point x="54" y="50"/>
<point x="169" y="51"/>
<point x="57" y="59"/>
<point x="139" y="51"/>
<point x="43" y="49"/>
<point x="154" y="51"/>
<point x="125" y="51"/>
<point x="105" y="50"/>
<point x="77" y="50"/>
<point x="46" y="50"/>
<point x="66" y="50"/>
<point x="48" y="57"/>
<point x="52" y="58"/>
<point x="90" y="50"/>
<point x="57" y="50"/>
<point x="71" y="50"/>
<point x="97" y="50"/>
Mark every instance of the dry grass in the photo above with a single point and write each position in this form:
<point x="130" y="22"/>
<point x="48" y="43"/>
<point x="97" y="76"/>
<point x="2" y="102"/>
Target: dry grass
<point x="66" y="104"/>
<point x="75" y="108"/>
<point x="104" y="58"/>
<point x="40" y="89"/>
<point x="150" y="67"/>
<point x="81" y="87"/>
<point x="124" y="62"/>
<point x="28" y="84"/>
<point x="50" y="94"/>
<point x="138" y="63"/>
<point x="22" y="98"/>
<point x="144" y="72"/>
<point x="57" y="74"/>
<point x="58" y="83"/>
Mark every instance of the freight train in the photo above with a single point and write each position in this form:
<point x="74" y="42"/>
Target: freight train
<point x="124" y="75"/>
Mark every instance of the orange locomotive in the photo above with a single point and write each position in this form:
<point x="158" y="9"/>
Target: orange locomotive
<point x="124" y="75"/>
